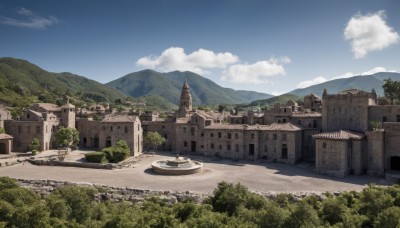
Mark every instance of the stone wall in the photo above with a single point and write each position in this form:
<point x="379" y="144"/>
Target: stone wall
<point x="137" y="196"/>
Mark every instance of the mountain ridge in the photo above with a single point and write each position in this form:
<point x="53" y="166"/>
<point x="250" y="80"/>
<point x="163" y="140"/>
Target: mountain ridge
<point x="168" y="85"/>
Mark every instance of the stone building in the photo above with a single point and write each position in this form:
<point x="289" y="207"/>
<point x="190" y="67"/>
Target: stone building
<point x="217" y="134"/>
<point x="4" y="115"/>
<point x="360" y="147"/>
<point x="105" y="133"/>
<point x="5" y="143"/>
<point x="41" y="125"/>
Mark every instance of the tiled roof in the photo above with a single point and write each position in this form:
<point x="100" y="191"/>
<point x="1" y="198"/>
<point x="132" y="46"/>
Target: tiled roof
<point x="48" y="106"/>
<point x="5" y="136"/>
<point x="306" y="114"/>
<point x="119" y="118"/>
<point x="340" y="135"/>
<point x="272" y="127"/>
<point x="68" y="105"/>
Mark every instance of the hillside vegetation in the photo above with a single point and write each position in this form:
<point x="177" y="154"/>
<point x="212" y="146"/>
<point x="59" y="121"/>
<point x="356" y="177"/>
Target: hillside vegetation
<point x="230" y="206"/>
<point x="169" y="85"/>
<point x="21" y="79"/>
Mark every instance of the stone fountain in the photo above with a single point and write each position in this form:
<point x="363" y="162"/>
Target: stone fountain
<point x="177" y="166"/>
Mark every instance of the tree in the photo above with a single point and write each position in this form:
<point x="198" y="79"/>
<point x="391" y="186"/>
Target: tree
<point x="2" y="131"/>
<point x="153" y="139"/>
<point x="391" y="89"/>
<point x="67" y="137"/>
<point x="34" y="146"/>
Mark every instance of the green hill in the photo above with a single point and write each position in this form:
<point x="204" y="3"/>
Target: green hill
<point x="168" y="86"/>
<point x="366" y="83"/>
<point x="22" y="82"/>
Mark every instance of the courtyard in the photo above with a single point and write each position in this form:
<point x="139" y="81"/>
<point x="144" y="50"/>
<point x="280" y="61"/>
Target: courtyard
<point x="262" y="177"/>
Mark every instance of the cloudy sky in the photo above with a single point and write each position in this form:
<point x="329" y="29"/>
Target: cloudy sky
<point x="271" y="46"/>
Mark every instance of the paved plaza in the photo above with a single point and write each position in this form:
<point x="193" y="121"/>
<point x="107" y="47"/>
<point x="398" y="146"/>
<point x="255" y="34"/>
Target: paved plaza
<point x="264" y="177"/>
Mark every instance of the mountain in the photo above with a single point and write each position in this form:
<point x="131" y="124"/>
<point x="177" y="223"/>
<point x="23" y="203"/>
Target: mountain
<point x="282" y="99"/>
<point x="22" y="83"/>
<point x="169" y="85"/>
<point x="366" y="83"/>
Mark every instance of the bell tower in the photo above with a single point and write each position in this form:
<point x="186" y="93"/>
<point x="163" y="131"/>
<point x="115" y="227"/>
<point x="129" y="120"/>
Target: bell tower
<point x="68" y="115"/>
<point x="185" y="101"/>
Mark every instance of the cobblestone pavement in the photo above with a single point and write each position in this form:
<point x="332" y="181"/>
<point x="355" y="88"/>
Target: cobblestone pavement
<point x="264" y="177"/>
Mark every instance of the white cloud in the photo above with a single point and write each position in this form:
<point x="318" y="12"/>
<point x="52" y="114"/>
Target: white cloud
<point x="374" y="70"/>
<point x="200" y="61"/>
<point x="317" y="80"/>
<point x="31" y="20"/>
<point x="258" y="72"/>
<point x="368" y="33"/>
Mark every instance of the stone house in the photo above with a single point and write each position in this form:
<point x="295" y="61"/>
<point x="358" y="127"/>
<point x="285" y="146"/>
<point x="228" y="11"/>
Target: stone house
<point x="41" y="125"/>
<point x="370" y="151"/>
<point x="105" y="133"/>
<point x="5" y="143"/>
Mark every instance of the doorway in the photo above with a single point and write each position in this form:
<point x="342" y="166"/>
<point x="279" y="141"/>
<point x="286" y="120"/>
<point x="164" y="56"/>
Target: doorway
<point x="395" y="163"/>
<point x="193" y="146"/>
<point x="251" y="149"/>
<point x="3" y="148"/>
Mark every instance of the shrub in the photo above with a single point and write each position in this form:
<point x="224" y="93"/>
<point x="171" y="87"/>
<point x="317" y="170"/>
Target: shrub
<point x="97" y="157"/>
<point x="119" y="152"/>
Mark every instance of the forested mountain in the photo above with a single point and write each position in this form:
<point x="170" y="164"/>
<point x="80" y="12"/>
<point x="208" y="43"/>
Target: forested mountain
<point x="169" y="85"/>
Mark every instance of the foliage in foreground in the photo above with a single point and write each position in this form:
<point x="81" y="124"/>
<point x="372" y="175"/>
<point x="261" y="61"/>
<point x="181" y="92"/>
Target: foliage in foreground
<point x="231" y="206"/>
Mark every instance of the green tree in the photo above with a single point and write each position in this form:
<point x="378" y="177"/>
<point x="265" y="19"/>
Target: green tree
<point x="119" y="152"/>
<point x="67" y="137"/>
<point x="34" y="146"/>
<point x="2" y="131"/>
<point x="153" y="139"/>
<point x="388" y="218"/>
<point x="391" y="89"/>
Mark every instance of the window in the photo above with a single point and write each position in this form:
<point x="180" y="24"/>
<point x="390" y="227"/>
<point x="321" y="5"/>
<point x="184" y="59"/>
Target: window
<point x="202" y="134"/>
<point x="252" y="136"/>
<point x="192" y="131"/>
<point x="162" y="126"/>
<point x="265" y="148"/>
<point x="384" y="119"/>
<point x="119" y="127"/>
<point x="267" y="136"/>
<point x="212" y="145"/>
<point x="38" y="129"/>
<point x="229" y="135"/>
<point x="185" y="144"/>
<point x="111" y="128"/>
<point x="236" y="135"/>
<point x="28" y="116"/>
<point x="279" y="121"/>
<point x="324" y="145"/>
<point x="283" y="137"/>
<point x="398" y="118"/>
<point x="220" y="147"/>
<point x="211" y="135"/>
<point x="299" y="122"/>
<point x="184" y="130"/>
<point x="219" y="135"/>
<point x="284" y="110"/>
<point x="126" y="129"/>
<point x="202" y="146"/>
<point x="284" y="121"/>
<point x="228" y="146"/>
<point x="275" y="137"/>
<point x="237" y="147"/>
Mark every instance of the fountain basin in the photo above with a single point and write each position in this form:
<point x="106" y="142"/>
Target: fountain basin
<point x="179" y="166"/>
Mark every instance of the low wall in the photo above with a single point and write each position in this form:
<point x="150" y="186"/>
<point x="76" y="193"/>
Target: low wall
<point x="74" y="164"/>
<point x="45" y="187"/>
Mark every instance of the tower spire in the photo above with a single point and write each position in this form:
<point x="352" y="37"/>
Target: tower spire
<point x="185" y="104"/>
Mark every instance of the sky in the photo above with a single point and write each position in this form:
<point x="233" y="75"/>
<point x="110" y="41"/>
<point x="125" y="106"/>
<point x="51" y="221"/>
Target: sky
<point x="269" y="46"/>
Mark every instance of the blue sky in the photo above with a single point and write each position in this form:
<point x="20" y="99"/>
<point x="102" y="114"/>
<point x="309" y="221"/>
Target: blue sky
<point x="271" y="46"/>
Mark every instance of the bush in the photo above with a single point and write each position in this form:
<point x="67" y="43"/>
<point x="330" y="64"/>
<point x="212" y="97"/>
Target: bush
<point x="97" y="157"/>
<point x="118" y="152"/>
